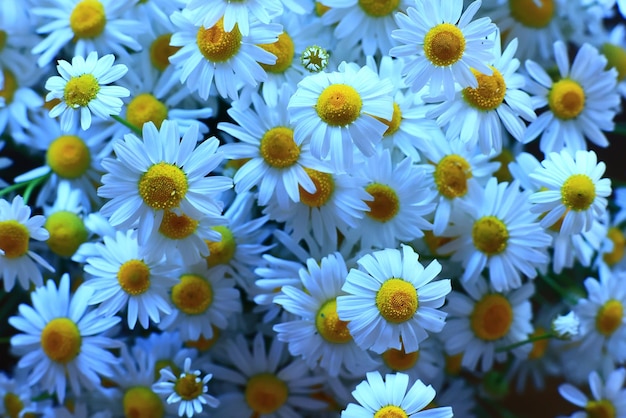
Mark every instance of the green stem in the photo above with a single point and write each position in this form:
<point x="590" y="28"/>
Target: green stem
<point x="14" y="187"/>
<point x="127" y="124"/>
<point x="34" y="183"/>
<point x="528" y="341"/>
<point x="557" y="288"/>
<point x="620" y="129"/>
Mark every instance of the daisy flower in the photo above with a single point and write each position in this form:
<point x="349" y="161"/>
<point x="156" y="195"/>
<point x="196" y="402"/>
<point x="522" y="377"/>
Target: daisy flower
<point x="426" y="363"/>
<point x="161" y="173"/>
<point x="390" y="301"/>
<point x="448" y="45"/>
<point x="186" y="388"/>
<point x="574" y="190"/>
<point x="483" y="320"/>
<point x="18" y="395"/>
<point x="608" y="395"/>
<point x="614" y="48"/>
<point x="125" y="275"/>
<point x="494" y="228"/>
<point x="234" y="14"/>
<point x="581" y="102"/>
<point x="337" y="110"/>
<point x="17" y="98"/>
<point x="82" y="89"/>
<point x="394" y="398"/>
<point x="17" y="227"/>
<point x="62" y="341"/>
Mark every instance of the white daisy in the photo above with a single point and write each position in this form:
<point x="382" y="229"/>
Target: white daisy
<point x="574" y="190"/>
<point x="236" y="13"/>
<point x="608" y="395"/>
<point x="62" y="341"/>
<point x="448" y="45"/>
<point x="82" y="89"/>
<point x="391" y="302"/>
<point x="17" y="97"/>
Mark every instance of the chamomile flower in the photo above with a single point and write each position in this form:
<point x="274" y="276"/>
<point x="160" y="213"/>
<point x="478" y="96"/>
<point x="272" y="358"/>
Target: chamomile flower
<point x="425" y="364"/>
<point x="17" y="261"/>
<point x="614" y="49"/>
<point x="608" y="395"/>
<point x="390" y="301"/>
<point x="443" y="45"/>
<point x="18" y="395"/>
<point x="82" y="89"/>
<point x="234" y="14"/>
<point x="392" y="397"/>
<point x="574" y="191"/>
<point x="337" y="110"/>
<point x="61" y="341"/>
<point x="581" y="102"/>
<point x="17" y="98"/>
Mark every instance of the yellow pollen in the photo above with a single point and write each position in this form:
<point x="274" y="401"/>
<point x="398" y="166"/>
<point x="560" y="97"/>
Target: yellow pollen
<point x="600" y="409"/>
<point x="492" y="317"/>
<point x="434" y="242"/>
<point x="284" y="50"/>
<point x="379" y="8"/>
<point x="490" y="91"/>
<point x="188" y="387"/>
<point x="396" y="300"/>
<point x="142" y="402"/>
<point x="610" y="316"/>
<point x="7" y="92"/>
<point x="390" y="411"/>
<point x="394" y="124"/>
<point x="61" y="340"/>
<point x="490" y="235"/>
<point x="146" y="108"/>
<point x="221" y="252"/>
<point x="330" y="327"/>
<point x="531" y="14"/>
<point x="265" y="393"/>
<point x="13" y="238"/>
<point x="454" y="363"/>
<point x="444" y="44"/>
<point x="134" y="277"/>
<point x="616" y="57"/>
<point x="161" y="51"/>
<point x="203" y="343"/>
<point x="324" y="188"/>
<point x="80" y="90"/>
<point x="399" y="360"/>
<point x="12" y="405"/>
<point x="177" y="227"/>
<point x="67" y="233"/>
<point x="504" y="158"/>
<point x="162" y="364"/>
<point x="193" y="295"/>
<point x="88" y="19"/>
<point x="566" y="99"/>
<point x="320" y="9"/>
<point x="68" y="156"/>
<point x="339" y="105"/>
<point x="3" y="39"/>
<point x="163" y="186"/>
<point x="385" y="205"/>
<point x="539" y="346"/>
<point x="217" y="45"/>
<point x="619" y="244"/>
<point x="278" y="148"/>
<point x="451" y="175"/>
<point x="578" y="192"/>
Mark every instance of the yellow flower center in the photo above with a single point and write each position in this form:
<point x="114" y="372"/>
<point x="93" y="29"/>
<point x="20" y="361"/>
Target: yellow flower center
<point x="217" y="45"/>
<point x="61" y="340"/>
<point x="324" y="188"/>
<point x="3" y="39"/>
<point x="80" y="90"/>
<point x="134" y="277"/>
<point x="399" y="360"/>
<point x="619" y="244"/>
<point x="193" y="294"/>
<point x="88" y="19"/>
<point x="616" y="57"/>
<point x="394" y="124"/>
<point x="390" y="411"/>
<point x="492" y="317"/>
<point x="379" y="8"/>
<point x="68" y="156"/>
<point x="454" y="364"/>
<point x="13" y="238"/>
<point x="314" y="58"/>
<point x="161" y="51"/>
<point x="278" y="148"/>
<point x="221" y="252"/>
<point x="162" y="364"/>
<point x="142" y="402"/>
<point x="146" y="108"/>
<point x="203" y="343"/>
<point x="177" y="227"/>
<point x="610" y="316"/>
<point x="444" y="44"/>
<point x="451" y="175"/>
<point x="490" y="91"/>
<point x="330" y="327"/>
<point x="265" y="393"/>
<point x="434" y="242"/>
<point x="396" y="300"/>
<point x="7" y="92"/>
<point x="284" y="50"/>
<point x="67" y="233"/>
<point x="339" y="105"/>
<point x="12" y="405"/>
<point x="531" y="13"/>
<point x="490" y="235"/>
<point x="566" y="99"/>
<point x="320" y="9"/>
<point x="578" y="192"/>
<point x="385" y="205"/>
<point x="504" y="158"/>
<point x="600" y="409"/>
<point x="163" y="186"/>
<point x="540" y="346"/>
<point x="188" y="387"/>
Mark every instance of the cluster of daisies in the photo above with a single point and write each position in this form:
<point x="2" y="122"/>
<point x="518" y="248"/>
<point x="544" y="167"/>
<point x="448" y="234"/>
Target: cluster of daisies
<point x="291" y="208"/>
